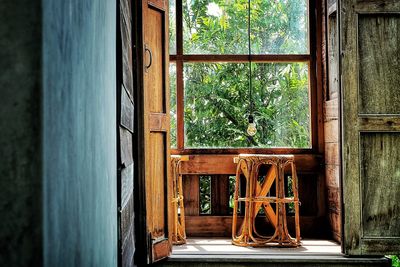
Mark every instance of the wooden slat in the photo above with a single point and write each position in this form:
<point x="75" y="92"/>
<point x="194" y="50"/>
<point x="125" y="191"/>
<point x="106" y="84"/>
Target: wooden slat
<point x="191" y="197"/>
<point x="331" y="131"/>
<point x="334" y="200"/>
<point x="158" y="122"/>
<point x="127" y="218"/>
<point x="128" y="248"/>
<point x="125" y="147"/>
<point x="160" y="4"/>
<point x="389" y="123"/>
<point x="126" y="184"/>
<point x="331" y="110"/>
<point x="223" y="164"/>
<point x="219" y="195"/>
<point x="309" y="195"/>
<point x="332" y="153"/>
<point x="127" y="110"/>
<point x="335" y="223"/>
<point x="241" y="58"/>
<point x="126" y="40"/>
<point x="332" y="175"/>
<point x="221" y="226"/>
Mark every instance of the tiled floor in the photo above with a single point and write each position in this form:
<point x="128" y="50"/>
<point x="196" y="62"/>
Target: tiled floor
<point x="223" y="246"/>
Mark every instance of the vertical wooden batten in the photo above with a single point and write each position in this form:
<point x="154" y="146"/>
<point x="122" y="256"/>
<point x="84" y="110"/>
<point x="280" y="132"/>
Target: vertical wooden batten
<point x="331" y="119"/>
<point x="125" y="129"/>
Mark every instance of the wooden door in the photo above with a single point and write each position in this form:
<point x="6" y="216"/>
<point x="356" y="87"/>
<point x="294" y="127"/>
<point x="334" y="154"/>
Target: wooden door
<point x="156" y="128"/>
<point x="370" y="69"/>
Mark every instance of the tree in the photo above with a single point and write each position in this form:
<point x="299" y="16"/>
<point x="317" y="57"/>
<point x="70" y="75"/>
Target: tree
<point x="217" y="94"/>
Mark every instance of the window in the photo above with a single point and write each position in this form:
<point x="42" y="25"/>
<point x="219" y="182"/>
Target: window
<point x="209" y="74"/>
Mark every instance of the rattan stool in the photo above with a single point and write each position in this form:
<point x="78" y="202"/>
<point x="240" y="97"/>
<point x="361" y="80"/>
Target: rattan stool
<point x="178" y="231"/>
<point x="256" y="197"/>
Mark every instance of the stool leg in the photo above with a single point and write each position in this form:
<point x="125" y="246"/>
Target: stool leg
<point x="181" y="206"/>
<point x="236" y="201"/>
<point x="296" y="202"/>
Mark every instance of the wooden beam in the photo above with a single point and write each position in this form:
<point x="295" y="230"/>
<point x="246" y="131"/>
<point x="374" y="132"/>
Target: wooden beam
<point x="223" y="164"/>
<point x="221" y="226"/>
<point x="267" y="58"/>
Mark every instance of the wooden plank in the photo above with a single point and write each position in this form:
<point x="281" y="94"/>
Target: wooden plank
<point x="336" y="226"/>
<point x="241" y="58"/>
<point x="126" y="184"/>
<point x="333" y="199"/>
<point x="128" y="249"/>
<point x="308" y="194"/>
<point x="127" y="110"/>
<point x="331" y="110"/>
<point x="219" y="194"/>
<point x="379" y="63"/>
<point x="125" y="147"/>
<point x="250" y="150"/>
<point x="332" y="175"/>
<point x="378" y="123"/>
<point x="380" y="169"/>
<point x="127" y="219"/>
<point x="316" y="75"/>
<point x="331" y="131"/>
<point x="332" y="153"/>
<point x="126" y="40"/>
<point x="191" y="194"/>
<point x="333" y="55"/>
<point x="221" y="226"/>
<point x="224" y="164"/>
<point x="160" y="4"/>
<point x="158" y="122"/>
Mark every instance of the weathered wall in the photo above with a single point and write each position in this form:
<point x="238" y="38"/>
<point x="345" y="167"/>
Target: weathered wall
<point x="79" y="133"/>
<point x="20" y="148"/>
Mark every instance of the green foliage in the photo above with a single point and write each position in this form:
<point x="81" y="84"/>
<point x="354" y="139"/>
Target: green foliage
<point x="395" y="260"/>
<point x="216" y="94"/>
<point x="216" y="105"/>
<point x="205" y="194"/>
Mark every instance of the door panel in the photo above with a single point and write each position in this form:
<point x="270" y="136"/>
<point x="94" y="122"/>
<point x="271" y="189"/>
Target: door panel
<point x="156" y="129"/>
<point x="370" y="70"/>
<point x="379" y="46"/>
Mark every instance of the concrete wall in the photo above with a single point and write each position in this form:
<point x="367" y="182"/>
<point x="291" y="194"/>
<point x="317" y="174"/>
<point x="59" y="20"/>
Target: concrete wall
<point x="79" y="133"/>
<point x="20" y="134"/>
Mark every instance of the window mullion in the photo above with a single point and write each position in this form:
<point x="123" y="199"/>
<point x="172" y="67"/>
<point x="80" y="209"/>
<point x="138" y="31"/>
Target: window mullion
<point x="180" y="130"/>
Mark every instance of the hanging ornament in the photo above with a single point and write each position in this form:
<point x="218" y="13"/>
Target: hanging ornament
<point x="251" y="128"/>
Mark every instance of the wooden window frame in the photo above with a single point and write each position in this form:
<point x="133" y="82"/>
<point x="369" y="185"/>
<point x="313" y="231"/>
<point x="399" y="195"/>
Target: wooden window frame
<point x="313" y="59"/>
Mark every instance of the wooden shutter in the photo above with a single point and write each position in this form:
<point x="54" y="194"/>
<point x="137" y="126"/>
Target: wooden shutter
<point x="126" y="231"/>
<point x="370" y="69"/>
<point x="154" y="125"/>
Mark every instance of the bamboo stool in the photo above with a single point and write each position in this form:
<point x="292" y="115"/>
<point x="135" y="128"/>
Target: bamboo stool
<point x="178" y="231"/>
<point x="256" y="197"/>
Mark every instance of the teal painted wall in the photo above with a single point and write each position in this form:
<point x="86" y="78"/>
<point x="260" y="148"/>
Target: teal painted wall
<point x="79" y="133"/>
<point x="20" y="134"/>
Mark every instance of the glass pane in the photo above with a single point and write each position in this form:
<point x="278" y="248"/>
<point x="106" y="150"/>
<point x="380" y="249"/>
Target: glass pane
<point x="217" y="101"/>
<point x="172" y="27"/>
<point x="220" y="26"/>
<point x="205" y="194"/>
<point x="172" y="112"/>
<point x="279" y="27"/>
